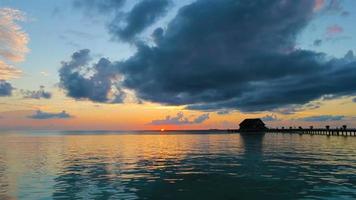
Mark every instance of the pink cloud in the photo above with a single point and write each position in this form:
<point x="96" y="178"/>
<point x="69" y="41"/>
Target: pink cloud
<point x="13" y="42"/>
<point x="319" y="4"/>
<point x="330" y="7"/>
<point x="334" y="30"/>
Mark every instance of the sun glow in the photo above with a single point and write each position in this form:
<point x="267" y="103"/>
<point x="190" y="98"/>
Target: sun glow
<point x="162" y="129"/>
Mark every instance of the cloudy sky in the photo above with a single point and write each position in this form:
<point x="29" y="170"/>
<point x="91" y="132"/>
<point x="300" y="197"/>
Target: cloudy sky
<point x="176" y="64"/>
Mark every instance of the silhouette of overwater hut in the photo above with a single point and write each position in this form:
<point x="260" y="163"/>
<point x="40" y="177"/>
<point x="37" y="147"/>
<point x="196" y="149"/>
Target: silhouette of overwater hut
<point x="252" y="125"/>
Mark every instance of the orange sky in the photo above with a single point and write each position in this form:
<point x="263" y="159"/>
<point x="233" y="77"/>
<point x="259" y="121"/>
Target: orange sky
<point x="94" y="116"/>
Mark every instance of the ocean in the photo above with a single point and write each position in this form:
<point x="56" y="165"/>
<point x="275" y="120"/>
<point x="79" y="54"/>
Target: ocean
<point x="175" y="165"/>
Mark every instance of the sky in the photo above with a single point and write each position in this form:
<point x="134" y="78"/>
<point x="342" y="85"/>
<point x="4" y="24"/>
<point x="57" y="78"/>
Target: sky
<point x="176" y="64"/>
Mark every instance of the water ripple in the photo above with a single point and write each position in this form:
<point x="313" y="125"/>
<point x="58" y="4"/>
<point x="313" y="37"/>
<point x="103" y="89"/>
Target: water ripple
<point x="177" y="166"/>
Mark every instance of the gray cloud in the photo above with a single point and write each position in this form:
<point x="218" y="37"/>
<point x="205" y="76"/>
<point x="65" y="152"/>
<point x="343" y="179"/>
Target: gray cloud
<point x="350" y="56"/>
<point x="200" y="119"/>
<point x="223" y="112"/>
<point x="345" y="13"/>
<point x="180" y="119"/>
<point x="38" y="94"/>
<point x="40" y="115"/>
<point x="96" y="83"/>
<point x="317" y="42"/>
<point x="332" y="77"/>
<point x="354" y="100"/>
<point x="141" y="16"/>
<point x="323" y="118"/>
<point x="291" y="109"/>
<point x="335" y="7"/>
<point x="270" y="118"/>
<point x="126" y="25"/>
<point x="217" y="55"/>
<point x="5" y="88"/>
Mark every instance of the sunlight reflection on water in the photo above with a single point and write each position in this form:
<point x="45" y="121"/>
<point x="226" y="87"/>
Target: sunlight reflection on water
<point x="176" y="166"/>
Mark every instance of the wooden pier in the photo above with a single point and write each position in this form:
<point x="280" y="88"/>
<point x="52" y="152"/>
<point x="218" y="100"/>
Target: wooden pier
<point x="303" y="131"/>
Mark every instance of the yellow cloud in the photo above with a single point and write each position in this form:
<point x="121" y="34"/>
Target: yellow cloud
<point x="8" y="71"/>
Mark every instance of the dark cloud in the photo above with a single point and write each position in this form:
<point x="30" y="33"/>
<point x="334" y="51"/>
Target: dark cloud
<point x="96" y="83"/>
<point x="217" y="55"/>
<point x="5" y="88"/>
<point x="330" y="77"/>
<point x="335" y="7"/>
<point x="157" y="35"/>
<point x="180" y="119"/>
<point x="140" y="17"/>
<point x="354" y="100"/>
<point x="332" y="7"/>
<point x="345" y="13"/>
<point x="323" y="118"/>
<point x="39" y="94"/>
<point x="317" y="42"/>
<point x="223" y="112"/>
<point x="350" y="56"/>
<point x="214" y="51"/>
<point x="126" y="25"/>
<point x="292" y="109"/>
<point x="270" y="118"/>
<point x="40" y="115"/>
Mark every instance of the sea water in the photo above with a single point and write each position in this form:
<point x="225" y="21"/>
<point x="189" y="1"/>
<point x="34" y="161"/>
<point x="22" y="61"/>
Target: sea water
<point x="175" y="165"/>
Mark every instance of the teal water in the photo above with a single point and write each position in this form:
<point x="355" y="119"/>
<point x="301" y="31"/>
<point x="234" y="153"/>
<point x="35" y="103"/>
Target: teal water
<point x="79" y="165"/>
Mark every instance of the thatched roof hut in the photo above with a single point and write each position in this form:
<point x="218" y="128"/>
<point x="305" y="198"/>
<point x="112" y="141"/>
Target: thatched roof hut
<point x="252" y="125"/>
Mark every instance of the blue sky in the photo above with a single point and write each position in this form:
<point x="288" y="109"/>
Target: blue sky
<point x="55" y="32"/>
<point x="338" y="44"/>
<point x="57" y="29"/>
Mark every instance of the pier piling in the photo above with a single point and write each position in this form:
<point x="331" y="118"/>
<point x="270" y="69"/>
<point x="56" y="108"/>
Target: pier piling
<point x="327" y="131"/>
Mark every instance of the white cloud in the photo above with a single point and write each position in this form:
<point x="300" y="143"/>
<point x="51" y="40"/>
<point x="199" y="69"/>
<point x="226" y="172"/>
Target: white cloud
<point x="44" y="73"/>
